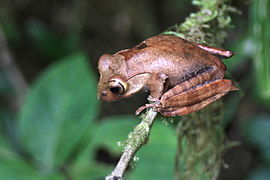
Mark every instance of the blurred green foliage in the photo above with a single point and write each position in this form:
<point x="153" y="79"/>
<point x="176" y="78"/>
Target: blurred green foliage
<point x="258" y="135"/>
<point x="260" y="174"/>
<point x="260" y="14"/>
<point x="257" y="129"/>
<point x="59" y="108"/>
<point x="257" y="132"/>
<point x="60" y="136"/>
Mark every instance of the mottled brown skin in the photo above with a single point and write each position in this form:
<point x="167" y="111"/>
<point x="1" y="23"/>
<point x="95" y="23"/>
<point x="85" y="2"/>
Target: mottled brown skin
<point x="182" y="77"/>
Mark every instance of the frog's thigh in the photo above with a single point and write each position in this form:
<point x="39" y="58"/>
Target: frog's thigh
<point x="195" y="81"/>
<point x="190" y="109"/>
<point x="196" y="95"/>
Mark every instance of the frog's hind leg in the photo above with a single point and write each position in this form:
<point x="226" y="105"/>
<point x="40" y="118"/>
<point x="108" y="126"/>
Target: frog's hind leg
<point x="222" y="53"/>
<point x="190" y="109"/>
<point x="199" y="78"/>
<point x="195" y="98"/>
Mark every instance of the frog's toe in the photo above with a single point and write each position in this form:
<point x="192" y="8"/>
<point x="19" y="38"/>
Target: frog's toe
<point x="140" y="109"/>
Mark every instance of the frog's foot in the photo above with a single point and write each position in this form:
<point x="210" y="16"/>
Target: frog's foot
<point x="155" y="103"/>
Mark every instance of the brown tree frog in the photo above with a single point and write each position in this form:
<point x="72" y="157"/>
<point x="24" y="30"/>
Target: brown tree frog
<point x="183" y="77"/>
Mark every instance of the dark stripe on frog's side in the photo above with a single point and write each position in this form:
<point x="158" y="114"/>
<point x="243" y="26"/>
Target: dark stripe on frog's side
<point x="195" y="73"/>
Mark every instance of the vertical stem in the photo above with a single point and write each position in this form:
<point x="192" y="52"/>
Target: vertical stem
<point x="202" y="143"/>
<point x="260" y="32"/>
<point x="200" y="135"/>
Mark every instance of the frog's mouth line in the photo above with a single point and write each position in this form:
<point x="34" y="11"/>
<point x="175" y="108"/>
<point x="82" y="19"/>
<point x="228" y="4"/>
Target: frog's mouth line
<point x="138" y="75"/>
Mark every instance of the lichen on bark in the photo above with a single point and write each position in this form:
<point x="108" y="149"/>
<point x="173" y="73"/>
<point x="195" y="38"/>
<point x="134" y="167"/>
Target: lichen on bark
<point x="208" y="25"/>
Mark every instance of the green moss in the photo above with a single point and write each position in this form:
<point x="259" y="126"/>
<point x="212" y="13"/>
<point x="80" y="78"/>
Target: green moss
<point x="208" y="25"/>
<point x="138" y="135"/>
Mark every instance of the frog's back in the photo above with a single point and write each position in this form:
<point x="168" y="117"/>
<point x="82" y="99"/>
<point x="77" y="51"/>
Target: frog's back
<point x="167" y="54"/>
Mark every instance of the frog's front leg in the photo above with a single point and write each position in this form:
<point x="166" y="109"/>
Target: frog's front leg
<point x="192" y="99"/>
<point x="156" y="85"/>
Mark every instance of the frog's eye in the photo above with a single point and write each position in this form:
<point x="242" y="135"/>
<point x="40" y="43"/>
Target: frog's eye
<point x="117" y="86"/>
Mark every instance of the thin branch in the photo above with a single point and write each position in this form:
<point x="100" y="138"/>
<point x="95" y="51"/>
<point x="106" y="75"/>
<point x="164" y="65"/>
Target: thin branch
<point x="136" y="139"/>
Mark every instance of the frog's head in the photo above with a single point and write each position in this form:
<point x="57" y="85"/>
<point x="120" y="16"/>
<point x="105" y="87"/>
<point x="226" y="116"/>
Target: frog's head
<point x="114" y="84"/>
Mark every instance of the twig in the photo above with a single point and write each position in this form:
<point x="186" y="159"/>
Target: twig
<point x="136" y="139"/>
<point x="13" y="73"/>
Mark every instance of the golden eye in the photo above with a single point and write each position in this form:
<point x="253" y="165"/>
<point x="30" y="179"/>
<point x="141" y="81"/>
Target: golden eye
<point x="117" y="86"/>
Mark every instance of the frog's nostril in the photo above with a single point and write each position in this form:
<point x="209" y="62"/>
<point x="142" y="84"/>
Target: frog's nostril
<point x="103" y="93"/>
